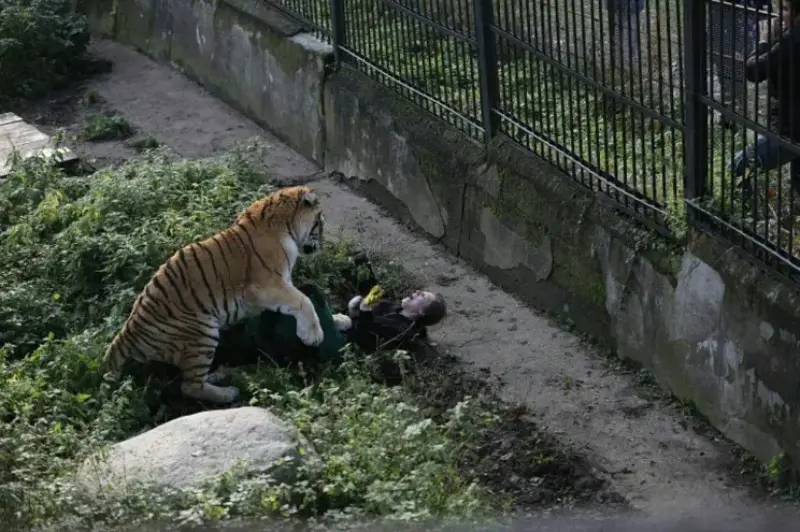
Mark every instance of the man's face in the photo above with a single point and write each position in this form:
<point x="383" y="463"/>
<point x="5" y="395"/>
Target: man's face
<point x="417" y="302"/>
<point x="787" y="11"/>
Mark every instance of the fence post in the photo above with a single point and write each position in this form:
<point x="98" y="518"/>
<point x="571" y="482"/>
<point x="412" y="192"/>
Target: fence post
<point x="487" y="66"/>
<point x="338" y="32"/>
<point x="695" y="138"/>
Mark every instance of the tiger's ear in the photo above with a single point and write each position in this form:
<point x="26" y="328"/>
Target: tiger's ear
<point x="310" y="199"/>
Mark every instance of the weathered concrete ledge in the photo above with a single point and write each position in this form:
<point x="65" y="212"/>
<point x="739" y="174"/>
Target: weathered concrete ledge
<point x="712" y="328"/>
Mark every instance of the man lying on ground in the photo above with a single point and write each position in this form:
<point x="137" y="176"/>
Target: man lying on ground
<point x="371" y="324"/>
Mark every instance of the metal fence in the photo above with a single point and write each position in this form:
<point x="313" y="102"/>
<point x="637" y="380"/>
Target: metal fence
<point x="748" y="132"/>
<point x="650" y="103"/>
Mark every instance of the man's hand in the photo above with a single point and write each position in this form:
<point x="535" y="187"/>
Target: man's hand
<point x="374" y="295"/>
<point x="771" y="30"/>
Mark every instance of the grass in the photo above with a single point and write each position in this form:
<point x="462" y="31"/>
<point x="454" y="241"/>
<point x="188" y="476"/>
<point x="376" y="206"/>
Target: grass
<point x="92" y="97"/>
<point x="144" y="143"/>
<point x="100" y="128"/>
<point x="43" y="47"/>
<point x="76" y="251"/>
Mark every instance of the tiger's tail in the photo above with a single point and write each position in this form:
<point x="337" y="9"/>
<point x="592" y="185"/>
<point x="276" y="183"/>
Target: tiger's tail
<point x="115" y="358"/>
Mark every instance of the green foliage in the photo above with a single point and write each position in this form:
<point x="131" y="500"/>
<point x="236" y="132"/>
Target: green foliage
<point x="144" y="143"/>
<point x="380" y="454"/>
<point x="75" y="251"/>
<point x="778" y="475"/>
<point x="85" y="246"/>
<point x="102" y="127"/>
<point x="42" y="45"/>
<point x="325" y="271"/>
<point x="92" y="97"/>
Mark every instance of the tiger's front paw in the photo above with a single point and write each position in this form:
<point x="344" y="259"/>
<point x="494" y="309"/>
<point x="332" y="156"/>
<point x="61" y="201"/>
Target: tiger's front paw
<point x="342" y="322"/>
<point x="313" y="335"/>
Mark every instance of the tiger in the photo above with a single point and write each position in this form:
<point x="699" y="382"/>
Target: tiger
<point x="213" y="284"/>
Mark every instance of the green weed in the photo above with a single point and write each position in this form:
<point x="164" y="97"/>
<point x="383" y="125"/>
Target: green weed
<point x="43" y="46"/>
<point x="144" y="143"/>
<point x="102" y="127"/>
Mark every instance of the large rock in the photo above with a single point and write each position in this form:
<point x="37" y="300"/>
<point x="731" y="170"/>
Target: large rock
<point x="188" y="451"/>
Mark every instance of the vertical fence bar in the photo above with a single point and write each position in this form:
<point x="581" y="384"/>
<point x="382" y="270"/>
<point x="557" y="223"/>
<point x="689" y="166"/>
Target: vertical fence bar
<point x="695" y="110"/>
<point x="338" y="32"/>
<point x="487" y="66"/>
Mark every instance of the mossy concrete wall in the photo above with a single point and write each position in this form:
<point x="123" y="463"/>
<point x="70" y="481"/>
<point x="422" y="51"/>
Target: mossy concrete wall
<point x="712" y="327"/>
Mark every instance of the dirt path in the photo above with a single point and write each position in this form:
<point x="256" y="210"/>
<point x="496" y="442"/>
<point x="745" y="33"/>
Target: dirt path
<point x="646" y="448"/>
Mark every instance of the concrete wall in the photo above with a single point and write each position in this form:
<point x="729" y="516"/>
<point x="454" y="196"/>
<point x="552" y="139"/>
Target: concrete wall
<point x="712" y="328"/>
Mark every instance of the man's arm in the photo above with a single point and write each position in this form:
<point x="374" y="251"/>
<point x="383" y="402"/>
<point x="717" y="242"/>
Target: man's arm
<point x="360" y="330"/>
<point x="354" y="305"/>
<point x="766" y="60"/>
<point x="394" y="330"/>
<point x="361" y="314"/>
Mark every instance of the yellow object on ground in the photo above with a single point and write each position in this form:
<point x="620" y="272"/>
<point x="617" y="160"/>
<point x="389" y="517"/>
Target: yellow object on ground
<point x="374" y="295"/>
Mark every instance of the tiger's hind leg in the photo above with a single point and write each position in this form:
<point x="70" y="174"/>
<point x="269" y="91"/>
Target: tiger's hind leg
<point x="197" y="381"/>
<point x="218" y="375"/>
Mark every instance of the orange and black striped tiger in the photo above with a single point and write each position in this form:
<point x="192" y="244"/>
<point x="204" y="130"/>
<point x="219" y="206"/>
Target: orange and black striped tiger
<point x="213" y="284"/>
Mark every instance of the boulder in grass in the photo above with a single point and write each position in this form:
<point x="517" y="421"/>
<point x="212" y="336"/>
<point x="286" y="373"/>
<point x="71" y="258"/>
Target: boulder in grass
<point x="190" y="451"/>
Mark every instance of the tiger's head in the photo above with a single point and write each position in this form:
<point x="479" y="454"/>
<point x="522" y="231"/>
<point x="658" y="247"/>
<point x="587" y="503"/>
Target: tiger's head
<point x="293" y="210"/>
<point x="307" y="230"/>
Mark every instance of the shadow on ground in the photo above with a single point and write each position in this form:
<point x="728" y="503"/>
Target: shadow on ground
<point x="616" y="521"/>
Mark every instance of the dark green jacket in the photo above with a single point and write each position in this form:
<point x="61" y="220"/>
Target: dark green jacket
<point x="272" y="337"/>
